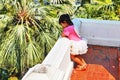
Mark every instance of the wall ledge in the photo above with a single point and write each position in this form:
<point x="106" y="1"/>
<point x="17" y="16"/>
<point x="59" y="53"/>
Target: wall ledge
<point x="99" y="32"/>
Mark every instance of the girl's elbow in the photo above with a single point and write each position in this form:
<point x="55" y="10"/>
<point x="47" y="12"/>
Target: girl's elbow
<point x="63" y="35"/>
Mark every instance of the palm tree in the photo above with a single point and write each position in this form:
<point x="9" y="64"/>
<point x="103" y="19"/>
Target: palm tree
<point x="27" y="33"/>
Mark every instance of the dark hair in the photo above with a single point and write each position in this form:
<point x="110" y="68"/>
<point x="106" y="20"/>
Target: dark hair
<point x="65" y="17"/>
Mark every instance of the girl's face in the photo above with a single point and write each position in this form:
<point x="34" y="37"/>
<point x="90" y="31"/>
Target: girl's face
<point x="64" y="24"/>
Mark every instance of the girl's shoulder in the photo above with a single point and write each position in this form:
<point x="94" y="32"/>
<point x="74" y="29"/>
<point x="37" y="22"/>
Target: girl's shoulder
<point x="71" y="26"/>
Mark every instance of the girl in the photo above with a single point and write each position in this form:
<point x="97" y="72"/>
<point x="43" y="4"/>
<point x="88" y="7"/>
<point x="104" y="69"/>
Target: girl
<point x="78" y="46"/>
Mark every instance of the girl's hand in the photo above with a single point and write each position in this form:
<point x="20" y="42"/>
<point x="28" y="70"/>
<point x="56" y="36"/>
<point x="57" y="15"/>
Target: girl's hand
<point x="63" y="35"/>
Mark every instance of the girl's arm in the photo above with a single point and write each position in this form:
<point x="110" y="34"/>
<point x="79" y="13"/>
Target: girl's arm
<point x="63" y="35"/>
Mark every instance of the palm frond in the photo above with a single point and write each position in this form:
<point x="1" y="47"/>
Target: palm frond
<point x="28" y="31"/>
<point x="57" y="1"/>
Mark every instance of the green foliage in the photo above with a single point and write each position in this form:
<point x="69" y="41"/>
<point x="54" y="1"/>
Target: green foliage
<point x="27" y="33"/>
<point x="98" y="9"/>
<point x="4" y="74"/>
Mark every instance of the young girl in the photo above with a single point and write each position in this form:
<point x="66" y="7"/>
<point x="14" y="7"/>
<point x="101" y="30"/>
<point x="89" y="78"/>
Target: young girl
<point x="78" y="46"/>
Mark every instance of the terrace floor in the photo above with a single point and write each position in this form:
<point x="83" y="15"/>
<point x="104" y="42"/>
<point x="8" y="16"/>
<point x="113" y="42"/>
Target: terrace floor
<point x="103" y="64"/>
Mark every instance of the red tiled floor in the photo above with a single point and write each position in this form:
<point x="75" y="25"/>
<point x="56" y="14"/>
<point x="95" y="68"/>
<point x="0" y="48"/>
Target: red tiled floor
<point x="104" y="64"/>
<point x="105" y="56"/>
<point x="93" y="72"/>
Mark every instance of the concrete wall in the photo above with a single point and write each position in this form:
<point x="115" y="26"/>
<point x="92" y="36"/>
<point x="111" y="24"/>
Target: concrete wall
<point x="57" y="63"/>
<point x="100" y="32"/>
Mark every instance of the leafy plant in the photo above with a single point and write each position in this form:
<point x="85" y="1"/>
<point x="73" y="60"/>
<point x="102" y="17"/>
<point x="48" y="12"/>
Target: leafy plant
<point x="4" y="74"/>
<point x="29" y="30"/>
<point x="27" y="35"/>
<point x="99" y="9"/>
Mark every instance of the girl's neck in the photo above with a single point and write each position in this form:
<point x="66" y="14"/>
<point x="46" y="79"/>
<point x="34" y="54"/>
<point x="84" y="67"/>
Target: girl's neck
<point x="67" y="26"/>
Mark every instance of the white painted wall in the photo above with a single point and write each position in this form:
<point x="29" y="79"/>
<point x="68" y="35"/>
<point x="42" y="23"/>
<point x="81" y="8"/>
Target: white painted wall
<point x="100" y="32"/>
<point x="57" y="62"/>
<point x="59" y="57"/>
